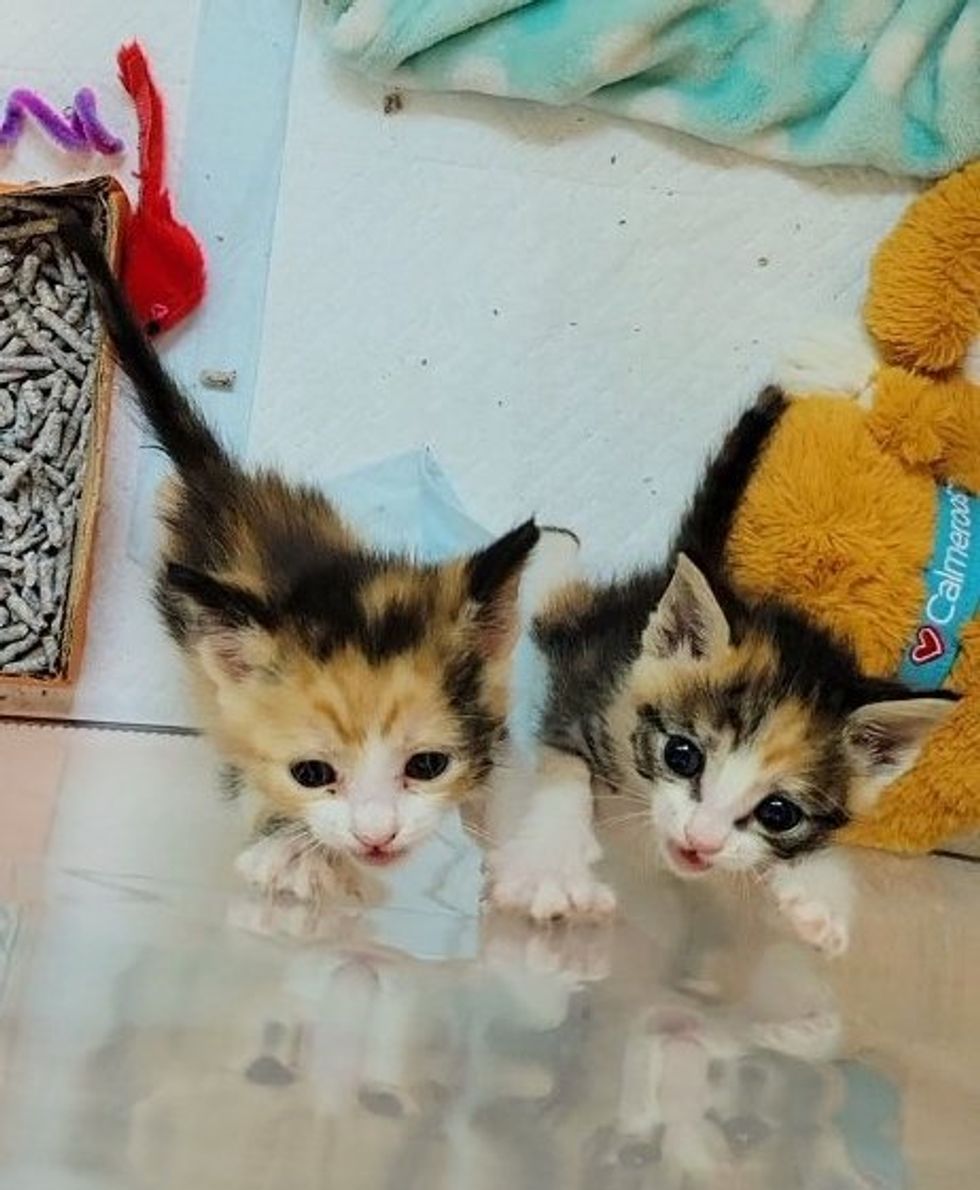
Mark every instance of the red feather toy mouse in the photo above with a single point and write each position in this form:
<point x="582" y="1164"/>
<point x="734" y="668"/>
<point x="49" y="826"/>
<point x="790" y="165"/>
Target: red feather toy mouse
<point x="163" y="264"/>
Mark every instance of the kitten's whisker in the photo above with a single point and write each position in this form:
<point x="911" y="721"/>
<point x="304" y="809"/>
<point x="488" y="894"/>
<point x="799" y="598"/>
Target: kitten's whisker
<point x="624" y="819"/>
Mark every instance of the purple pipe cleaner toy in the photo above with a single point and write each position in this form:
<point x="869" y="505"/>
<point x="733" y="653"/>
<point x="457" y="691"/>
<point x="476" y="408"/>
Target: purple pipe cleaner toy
<point x="78" y="130"/>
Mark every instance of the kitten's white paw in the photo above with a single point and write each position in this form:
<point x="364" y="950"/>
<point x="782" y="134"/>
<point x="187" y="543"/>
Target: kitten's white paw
<point x="815" y="1037"/>
<point x="526" y="879"/>
<point x="284" y="865"/>
<point x="817" y="922"/>
<point x="580" y="953"/>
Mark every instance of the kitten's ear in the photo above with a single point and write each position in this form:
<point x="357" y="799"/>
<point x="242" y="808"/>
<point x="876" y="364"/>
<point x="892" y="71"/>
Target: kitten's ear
<point x="229" y="632"/>
<point x="493" y="578"/>
<point x="688" y="620"/>
<point x="884" y="740"/>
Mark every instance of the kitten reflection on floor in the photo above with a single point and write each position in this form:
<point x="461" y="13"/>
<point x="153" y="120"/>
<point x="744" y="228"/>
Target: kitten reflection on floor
<point x="715" y="1096"/>
<point x="581" y="1057"/>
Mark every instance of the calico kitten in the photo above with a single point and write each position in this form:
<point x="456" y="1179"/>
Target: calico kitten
<point x="356" y="694"/>
<point x="743" y="735"/>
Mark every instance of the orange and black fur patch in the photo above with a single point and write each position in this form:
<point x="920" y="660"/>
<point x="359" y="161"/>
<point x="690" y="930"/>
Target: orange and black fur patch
<point x="298" y="631"/>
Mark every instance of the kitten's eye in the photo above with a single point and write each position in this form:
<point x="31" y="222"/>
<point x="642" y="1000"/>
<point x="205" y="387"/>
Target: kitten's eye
<point x="745" y="1132"/>
<point x="313" y="774"/>
<point x="682" y="756"/>
<point x="778" y="814"/>
<point x="426" y="766"/>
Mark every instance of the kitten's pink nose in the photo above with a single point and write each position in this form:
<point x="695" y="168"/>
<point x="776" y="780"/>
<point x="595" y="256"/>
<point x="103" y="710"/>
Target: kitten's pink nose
<point x="705" y="845"/>
<point x="375" y="839"/>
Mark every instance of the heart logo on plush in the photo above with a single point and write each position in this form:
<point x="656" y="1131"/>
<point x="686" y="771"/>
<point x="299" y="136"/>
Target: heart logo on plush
<point x="928" y="645"/>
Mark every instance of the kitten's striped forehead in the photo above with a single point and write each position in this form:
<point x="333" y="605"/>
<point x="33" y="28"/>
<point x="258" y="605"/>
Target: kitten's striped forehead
<point x="398" y="659"/>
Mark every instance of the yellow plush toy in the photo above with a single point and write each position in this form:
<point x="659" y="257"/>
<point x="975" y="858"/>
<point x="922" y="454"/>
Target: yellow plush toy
<point x="864" y="511"/>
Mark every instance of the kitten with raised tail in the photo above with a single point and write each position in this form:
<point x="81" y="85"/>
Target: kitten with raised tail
<point x="739" y="737"/>
<point x="357" y="695"/>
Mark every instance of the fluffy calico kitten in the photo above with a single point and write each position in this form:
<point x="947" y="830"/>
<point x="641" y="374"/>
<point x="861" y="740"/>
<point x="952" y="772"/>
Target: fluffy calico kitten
<point x="357" y="695"/>
<point x="743" y="735"/>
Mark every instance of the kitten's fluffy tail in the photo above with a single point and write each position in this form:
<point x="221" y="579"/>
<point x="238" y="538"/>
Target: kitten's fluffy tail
<point x="705" y="528"/>
<point x="173" y="418"/>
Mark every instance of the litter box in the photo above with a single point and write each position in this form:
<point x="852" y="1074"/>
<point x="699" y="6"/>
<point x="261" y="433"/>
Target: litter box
<point x="56" y="379"/>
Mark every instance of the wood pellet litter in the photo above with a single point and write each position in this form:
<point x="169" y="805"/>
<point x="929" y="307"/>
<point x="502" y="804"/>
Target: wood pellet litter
<point x="48" y="372"/>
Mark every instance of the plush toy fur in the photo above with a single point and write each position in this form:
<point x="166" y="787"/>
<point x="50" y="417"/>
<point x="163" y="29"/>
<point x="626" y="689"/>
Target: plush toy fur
<point x="840" y="516"/>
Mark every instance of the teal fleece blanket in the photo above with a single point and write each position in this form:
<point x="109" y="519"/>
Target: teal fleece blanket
<point x="888" y="83"/>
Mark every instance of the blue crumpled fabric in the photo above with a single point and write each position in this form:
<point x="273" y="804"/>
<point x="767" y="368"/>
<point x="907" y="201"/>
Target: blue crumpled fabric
<point x="888" y="83"/>
<point x="406" y="503"/>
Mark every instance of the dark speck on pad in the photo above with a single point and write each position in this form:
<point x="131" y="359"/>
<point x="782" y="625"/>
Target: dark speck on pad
<point x="425" y="362"/>
<point x="762" y="262"/>
<point x="393" y="103"/>
<point x="622" y="223"/>
<point x="612" y="159"/>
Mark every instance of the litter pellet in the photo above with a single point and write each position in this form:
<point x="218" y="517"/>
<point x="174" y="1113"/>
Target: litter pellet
<point x="12" y="633"/>
<point x="18" y="606"/>
<point x="31" y="601"/>
<point x="75" y="309"/>
<point x="15" y="472"/>
<point x="214" y="378"/>
<point x="44" y="347"/>
<point x="25" y="363"/>
<point x="27" y="273"/>
<point x="54" y="384"/>
<point x="11" y="516"/>
<point x="48" y="443"/>
<point x="62" y="572"/>
<point x="53" y="524"/>
<point x="64" y="331"/>
<point x="16" y="649"/>
<point x="32" y="397"/>
<point x="54" y="476"/>
<point x="29" y="576"/>
<point x="51" y="652"/>
<point x="45" y="582"/>
<point x="46" y="296"/>
<point x="33" y="663"/>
